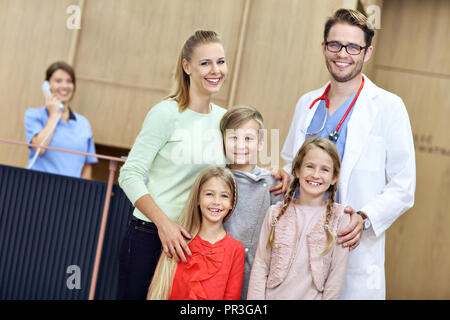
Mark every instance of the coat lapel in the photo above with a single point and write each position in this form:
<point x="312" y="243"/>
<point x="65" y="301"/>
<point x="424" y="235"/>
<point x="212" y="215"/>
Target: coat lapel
<point x="358" y="128"/>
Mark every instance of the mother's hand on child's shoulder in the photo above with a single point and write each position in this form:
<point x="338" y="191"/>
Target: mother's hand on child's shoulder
<point x="351" y="235"/>
<point x="282" y="175"/>
<point x="173" y="242"/>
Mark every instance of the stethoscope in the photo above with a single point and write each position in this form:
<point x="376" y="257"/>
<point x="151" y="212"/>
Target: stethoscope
<point x="334" y="135"/>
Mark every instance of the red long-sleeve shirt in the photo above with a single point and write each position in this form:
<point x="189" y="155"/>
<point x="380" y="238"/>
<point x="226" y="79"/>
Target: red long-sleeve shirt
<point x="214" y="272"/>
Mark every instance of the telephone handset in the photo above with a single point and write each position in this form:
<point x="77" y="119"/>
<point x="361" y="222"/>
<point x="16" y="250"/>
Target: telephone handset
<point x="46" y="91"/>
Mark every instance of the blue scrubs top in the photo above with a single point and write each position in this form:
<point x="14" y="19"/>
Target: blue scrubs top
<point x="75" y="134"/>
<point x="331" y="124"/>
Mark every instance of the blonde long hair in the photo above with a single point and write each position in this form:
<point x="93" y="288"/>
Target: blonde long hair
<point x="190" y="220"/>
<point x="329" y="147"/>
<point x="182" y="81"/>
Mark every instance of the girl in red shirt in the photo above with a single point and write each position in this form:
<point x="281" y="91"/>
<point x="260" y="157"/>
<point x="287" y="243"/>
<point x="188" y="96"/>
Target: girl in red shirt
<point x="215" y="270"/>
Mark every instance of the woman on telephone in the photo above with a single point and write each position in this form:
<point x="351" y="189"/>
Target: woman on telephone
<point x="57" y="125"/>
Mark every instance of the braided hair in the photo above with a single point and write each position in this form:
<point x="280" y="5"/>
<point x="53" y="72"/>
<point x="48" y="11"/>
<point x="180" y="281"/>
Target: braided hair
<point x="331" y="239"/>
<point x="287" y="200"/>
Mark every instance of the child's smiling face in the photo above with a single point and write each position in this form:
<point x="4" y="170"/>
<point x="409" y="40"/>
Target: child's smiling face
<point x="316" y="173"/>
<point x="215" y="200"/>
<point x="243" y="143"/>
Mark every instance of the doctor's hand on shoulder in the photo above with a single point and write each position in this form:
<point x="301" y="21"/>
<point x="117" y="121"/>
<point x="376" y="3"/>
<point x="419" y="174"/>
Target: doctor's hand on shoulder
<point x="280" y="174"/>
<point x="351" y="236"/>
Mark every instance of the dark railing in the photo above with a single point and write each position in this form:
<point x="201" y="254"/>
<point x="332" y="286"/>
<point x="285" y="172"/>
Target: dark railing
<point x="59" y="235"/>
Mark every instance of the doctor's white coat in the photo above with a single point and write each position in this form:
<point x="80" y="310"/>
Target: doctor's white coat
<point x="378" y="176"/>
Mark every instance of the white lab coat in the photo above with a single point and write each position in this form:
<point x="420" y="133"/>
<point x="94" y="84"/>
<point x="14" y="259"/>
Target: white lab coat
<point x="378" y="176"/>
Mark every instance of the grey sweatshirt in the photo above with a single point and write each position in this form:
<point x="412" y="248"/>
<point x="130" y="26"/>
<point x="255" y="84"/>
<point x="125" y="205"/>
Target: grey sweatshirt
<point x="254" y="199"/>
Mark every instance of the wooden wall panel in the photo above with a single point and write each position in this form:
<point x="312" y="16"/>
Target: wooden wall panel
<point x="116" y="119"/>
<point x="33" y="34"/>
<point x="422" y="33"/>
<point x="410" y="63"/>
<point x="418" y="241"/>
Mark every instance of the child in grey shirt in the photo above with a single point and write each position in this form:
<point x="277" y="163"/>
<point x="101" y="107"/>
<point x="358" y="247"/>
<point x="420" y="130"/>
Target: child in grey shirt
<point x="242" y="134"/>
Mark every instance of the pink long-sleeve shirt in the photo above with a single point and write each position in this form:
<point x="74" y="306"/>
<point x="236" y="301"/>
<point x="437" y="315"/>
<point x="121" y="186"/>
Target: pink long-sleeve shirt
<point x="295" y="269"/>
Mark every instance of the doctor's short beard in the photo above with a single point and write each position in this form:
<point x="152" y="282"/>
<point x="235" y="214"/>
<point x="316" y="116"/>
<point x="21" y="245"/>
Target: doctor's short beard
<point x="356" y="70"/>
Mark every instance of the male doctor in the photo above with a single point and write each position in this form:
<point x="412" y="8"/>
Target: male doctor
<point x="371" y="129"/>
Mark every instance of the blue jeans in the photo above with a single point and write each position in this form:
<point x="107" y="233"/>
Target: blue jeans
<point x="139" y="256"/>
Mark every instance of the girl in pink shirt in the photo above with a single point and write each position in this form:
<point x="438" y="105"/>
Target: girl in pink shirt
<point x="216" y="268"/>
<point x="297" y="257"/>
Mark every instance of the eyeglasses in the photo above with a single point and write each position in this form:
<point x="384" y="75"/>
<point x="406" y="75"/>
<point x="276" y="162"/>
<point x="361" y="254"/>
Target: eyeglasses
<point x="352" y="49"/>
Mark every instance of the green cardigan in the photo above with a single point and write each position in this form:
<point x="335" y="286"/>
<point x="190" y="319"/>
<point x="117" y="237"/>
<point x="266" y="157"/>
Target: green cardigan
<point x="168" y="154"/>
